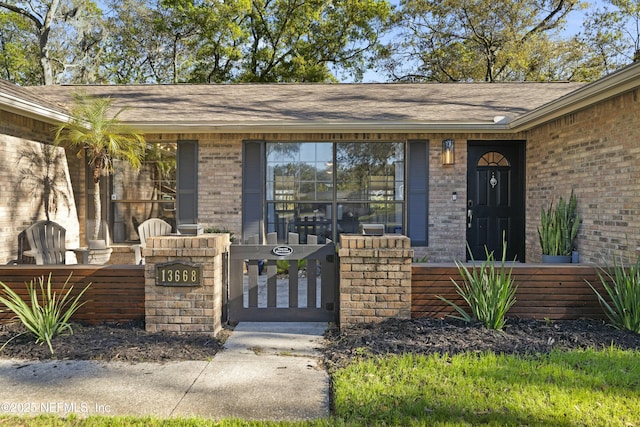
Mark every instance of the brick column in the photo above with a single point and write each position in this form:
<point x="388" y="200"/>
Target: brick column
<point x="185" y="308"/>
<point x="375" y="278"/>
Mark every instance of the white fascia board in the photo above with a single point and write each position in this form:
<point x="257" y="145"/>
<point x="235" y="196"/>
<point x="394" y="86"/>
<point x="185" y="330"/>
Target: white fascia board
<point x="321" y="127"/>
<point x="31" y="110"/>
<point x="612" y="85"/>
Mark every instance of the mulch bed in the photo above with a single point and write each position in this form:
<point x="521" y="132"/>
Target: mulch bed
<point x="450" y="336"/>
<point x="131" y="343"/>
<point x="112" y="342"/>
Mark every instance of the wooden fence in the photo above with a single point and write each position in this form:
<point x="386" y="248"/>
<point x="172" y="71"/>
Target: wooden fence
<point x="544" y="291"/>
<point x="116" y="293"/>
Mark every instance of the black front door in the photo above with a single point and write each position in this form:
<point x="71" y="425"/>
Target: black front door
<point x="495" y="205"/>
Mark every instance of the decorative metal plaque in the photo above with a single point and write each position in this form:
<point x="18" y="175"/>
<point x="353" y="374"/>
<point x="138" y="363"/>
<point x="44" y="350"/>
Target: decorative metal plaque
<point x="282" y="250"/>
<point x="178" y="273"/>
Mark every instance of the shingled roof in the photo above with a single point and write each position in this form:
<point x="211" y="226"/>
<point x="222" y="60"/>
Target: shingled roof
<point x="371" y="106"/>
<point x="365" y="107"/>
<point x="20" y="99"/>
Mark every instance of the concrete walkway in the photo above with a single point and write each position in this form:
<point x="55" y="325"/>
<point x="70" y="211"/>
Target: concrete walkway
<point x="267" y="371"/>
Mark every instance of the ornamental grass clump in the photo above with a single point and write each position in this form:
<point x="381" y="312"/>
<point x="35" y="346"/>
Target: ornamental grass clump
<point x="488" y="290"/>
<point x="622" y="284"/>
<point x="46" y="313"/>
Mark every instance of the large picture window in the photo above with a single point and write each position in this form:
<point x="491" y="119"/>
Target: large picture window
<point x="326" y="188"/>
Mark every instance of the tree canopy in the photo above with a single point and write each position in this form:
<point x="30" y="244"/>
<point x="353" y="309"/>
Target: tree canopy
<point x="169" y="41"/>
<point x="60" y="40"/>
<point x="226" y="41"/>
<point x="479" y="40"/>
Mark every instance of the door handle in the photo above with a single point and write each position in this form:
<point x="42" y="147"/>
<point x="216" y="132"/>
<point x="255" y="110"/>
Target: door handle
<point x="469" y="217"/>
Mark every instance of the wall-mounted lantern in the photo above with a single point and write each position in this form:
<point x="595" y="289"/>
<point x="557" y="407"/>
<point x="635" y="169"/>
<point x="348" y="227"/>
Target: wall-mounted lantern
<point x="448" y="152"/>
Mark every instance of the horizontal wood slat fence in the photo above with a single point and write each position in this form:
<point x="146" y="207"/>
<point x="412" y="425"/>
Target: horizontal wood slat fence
<point x="116" y="293"/>
<point x="544" y="291"/>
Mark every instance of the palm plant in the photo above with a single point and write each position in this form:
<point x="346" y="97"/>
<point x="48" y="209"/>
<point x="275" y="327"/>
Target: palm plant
<point x="104" y="138"/>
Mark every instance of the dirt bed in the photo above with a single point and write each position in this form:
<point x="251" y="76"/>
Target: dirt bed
<point x="130" y="342"/>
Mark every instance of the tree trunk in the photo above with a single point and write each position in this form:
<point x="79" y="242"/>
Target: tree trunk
<point x="97" y="204"/>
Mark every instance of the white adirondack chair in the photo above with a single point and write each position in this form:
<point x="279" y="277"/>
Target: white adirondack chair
<point x="149" y="228"/>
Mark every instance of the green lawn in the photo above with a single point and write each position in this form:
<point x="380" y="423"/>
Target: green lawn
<point x="575" y="388"/>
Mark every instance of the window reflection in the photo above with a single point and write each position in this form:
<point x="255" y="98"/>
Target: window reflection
<point x="331" y="188"/>
<point x="148" y="193"/>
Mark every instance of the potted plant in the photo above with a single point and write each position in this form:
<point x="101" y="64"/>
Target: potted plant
<point x="102" y="138"/>
<point x="558" y="229"/>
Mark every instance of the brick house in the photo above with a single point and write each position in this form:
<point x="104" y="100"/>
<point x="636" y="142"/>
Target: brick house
<point x="257" y="158"/>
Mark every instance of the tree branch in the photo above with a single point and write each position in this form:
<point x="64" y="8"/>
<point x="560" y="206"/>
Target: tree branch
<point x="20" y="11"/>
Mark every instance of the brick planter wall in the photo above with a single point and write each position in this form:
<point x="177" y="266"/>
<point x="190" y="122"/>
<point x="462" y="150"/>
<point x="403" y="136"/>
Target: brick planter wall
<point x="185" y="309"/>
<point x="375" y="278"/>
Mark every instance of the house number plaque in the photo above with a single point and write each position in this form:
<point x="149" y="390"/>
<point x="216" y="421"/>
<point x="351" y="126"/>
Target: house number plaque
<point x="178" y="274"/>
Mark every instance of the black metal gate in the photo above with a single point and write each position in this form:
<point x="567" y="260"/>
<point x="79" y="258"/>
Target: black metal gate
<point x="283" y="282"/>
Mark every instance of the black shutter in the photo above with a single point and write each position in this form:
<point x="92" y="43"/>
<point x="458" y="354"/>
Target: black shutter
<point x="187" y="182"/>
<point x="418" y="193"/>
<point x="252" y="189"/>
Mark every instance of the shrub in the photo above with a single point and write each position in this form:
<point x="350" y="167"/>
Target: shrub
<point x="488" y="290"/>
<point x="283" y="265"/>
<point x="45" y="315"/>
<point x="622" y="284"/>
<point x="215" y="229"/>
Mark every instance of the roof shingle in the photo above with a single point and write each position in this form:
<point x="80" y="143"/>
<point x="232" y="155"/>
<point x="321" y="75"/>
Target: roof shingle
<point x="299" y="103"/>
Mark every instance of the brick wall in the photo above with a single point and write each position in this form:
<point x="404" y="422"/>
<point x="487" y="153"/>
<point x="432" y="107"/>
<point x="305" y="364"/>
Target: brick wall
<point x="596" y="153"/>
<point x="122" y="255"/>
<point x="24" y="127"/>
<point x="375" y="278"/>
<point x="22" y="168"/>
<point x="185" y="309"/>
<point x="220" y="181"/>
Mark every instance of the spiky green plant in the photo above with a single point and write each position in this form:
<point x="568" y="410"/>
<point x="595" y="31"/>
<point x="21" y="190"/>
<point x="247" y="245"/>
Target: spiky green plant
<point x="488" y="290"/>
<point x="102" y="137"/>
<point x="559" y="227"/>
<point x="622" y="284"/>
<point x="44" y="314"/>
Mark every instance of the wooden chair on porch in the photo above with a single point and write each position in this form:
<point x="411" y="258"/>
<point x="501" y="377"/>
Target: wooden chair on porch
<point x="149" y="228"/>
<point x="47" y="242"/>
